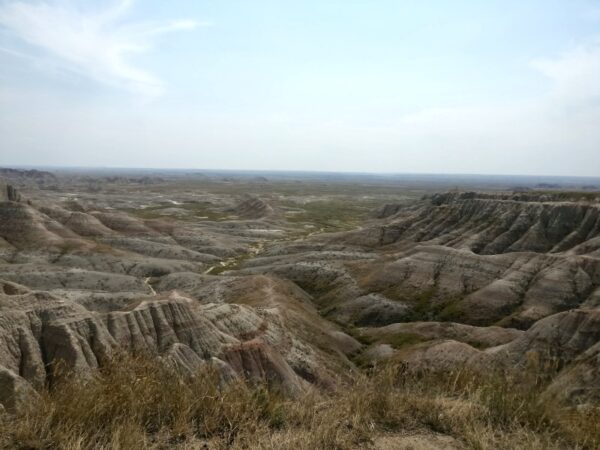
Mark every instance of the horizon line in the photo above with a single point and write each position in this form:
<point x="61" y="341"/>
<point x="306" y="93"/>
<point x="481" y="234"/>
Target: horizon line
<point x="290" y="171"/>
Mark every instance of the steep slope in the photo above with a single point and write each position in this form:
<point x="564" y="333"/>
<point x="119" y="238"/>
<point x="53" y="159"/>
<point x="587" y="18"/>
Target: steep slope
<point x="444" y="277"/>
<point x="252" y="208"/>
<point x="39" y="330"/>
<point x="452" y="279"/>
<point x="490" y="224"/>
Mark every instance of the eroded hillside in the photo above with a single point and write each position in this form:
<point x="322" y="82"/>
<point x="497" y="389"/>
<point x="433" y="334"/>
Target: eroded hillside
<point x="297" y="289"/>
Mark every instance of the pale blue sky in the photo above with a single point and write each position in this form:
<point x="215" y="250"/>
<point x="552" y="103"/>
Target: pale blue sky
<point x="508" y="87"/>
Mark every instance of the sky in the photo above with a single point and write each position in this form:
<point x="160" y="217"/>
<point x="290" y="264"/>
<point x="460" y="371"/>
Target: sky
<point x="394" y="86"/>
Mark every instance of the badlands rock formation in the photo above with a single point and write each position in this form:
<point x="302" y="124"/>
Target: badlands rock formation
<point x="252" y="208"/>
<point x="77" y="286"/>
<point x="486" y="280"/>
<point x="459" y="278"/>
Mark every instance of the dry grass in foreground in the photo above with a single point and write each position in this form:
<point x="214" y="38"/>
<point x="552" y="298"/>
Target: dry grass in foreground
<point x="139" y="403"/>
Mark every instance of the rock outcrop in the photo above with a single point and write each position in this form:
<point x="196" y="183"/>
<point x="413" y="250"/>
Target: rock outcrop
<point x="409" y="332"/>
<point x="15" y="392"/>
<point x="464" y="279"/>
<point x="491" y="224"/>
<point x="25" y="227"/>
<point x="8" y="193"/>
<point x="252" y="208"/>
<point x="40" y="331"/>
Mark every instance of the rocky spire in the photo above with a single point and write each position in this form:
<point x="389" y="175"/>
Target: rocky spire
<point x="8" y="193"/>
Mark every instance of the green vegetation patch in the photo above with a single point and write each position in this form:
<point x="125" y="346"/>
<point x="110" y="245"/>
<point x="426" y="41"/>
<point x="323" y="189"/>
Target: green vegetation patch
<point x="574" y="196"/>
<point x="400" y="340"/>
<point x="451" y="311"/>
<point x="195" y="211"/>
<point x="429" y="304"/>
<point x="331" y="215"/>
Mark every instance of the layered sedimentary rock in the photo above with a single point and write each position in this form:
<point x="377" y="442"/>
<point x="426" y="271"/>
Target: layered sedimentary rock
<point x="76" y="286"/>
<point x="483" y="280"/>
<point x="40" y="332"/>
<point x="252" y="208"/>
<point x="24" y="227"/>
<point x="491" y="224"/>
<point x="464" y="279"/>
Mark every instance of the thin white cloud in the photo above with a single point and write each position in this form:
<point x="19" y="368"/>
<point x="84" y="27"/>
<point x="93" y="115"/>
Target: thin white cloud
<point x="556" y="132"/>
<point x="95" y="44"/>
<point x="575" y="73"/>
